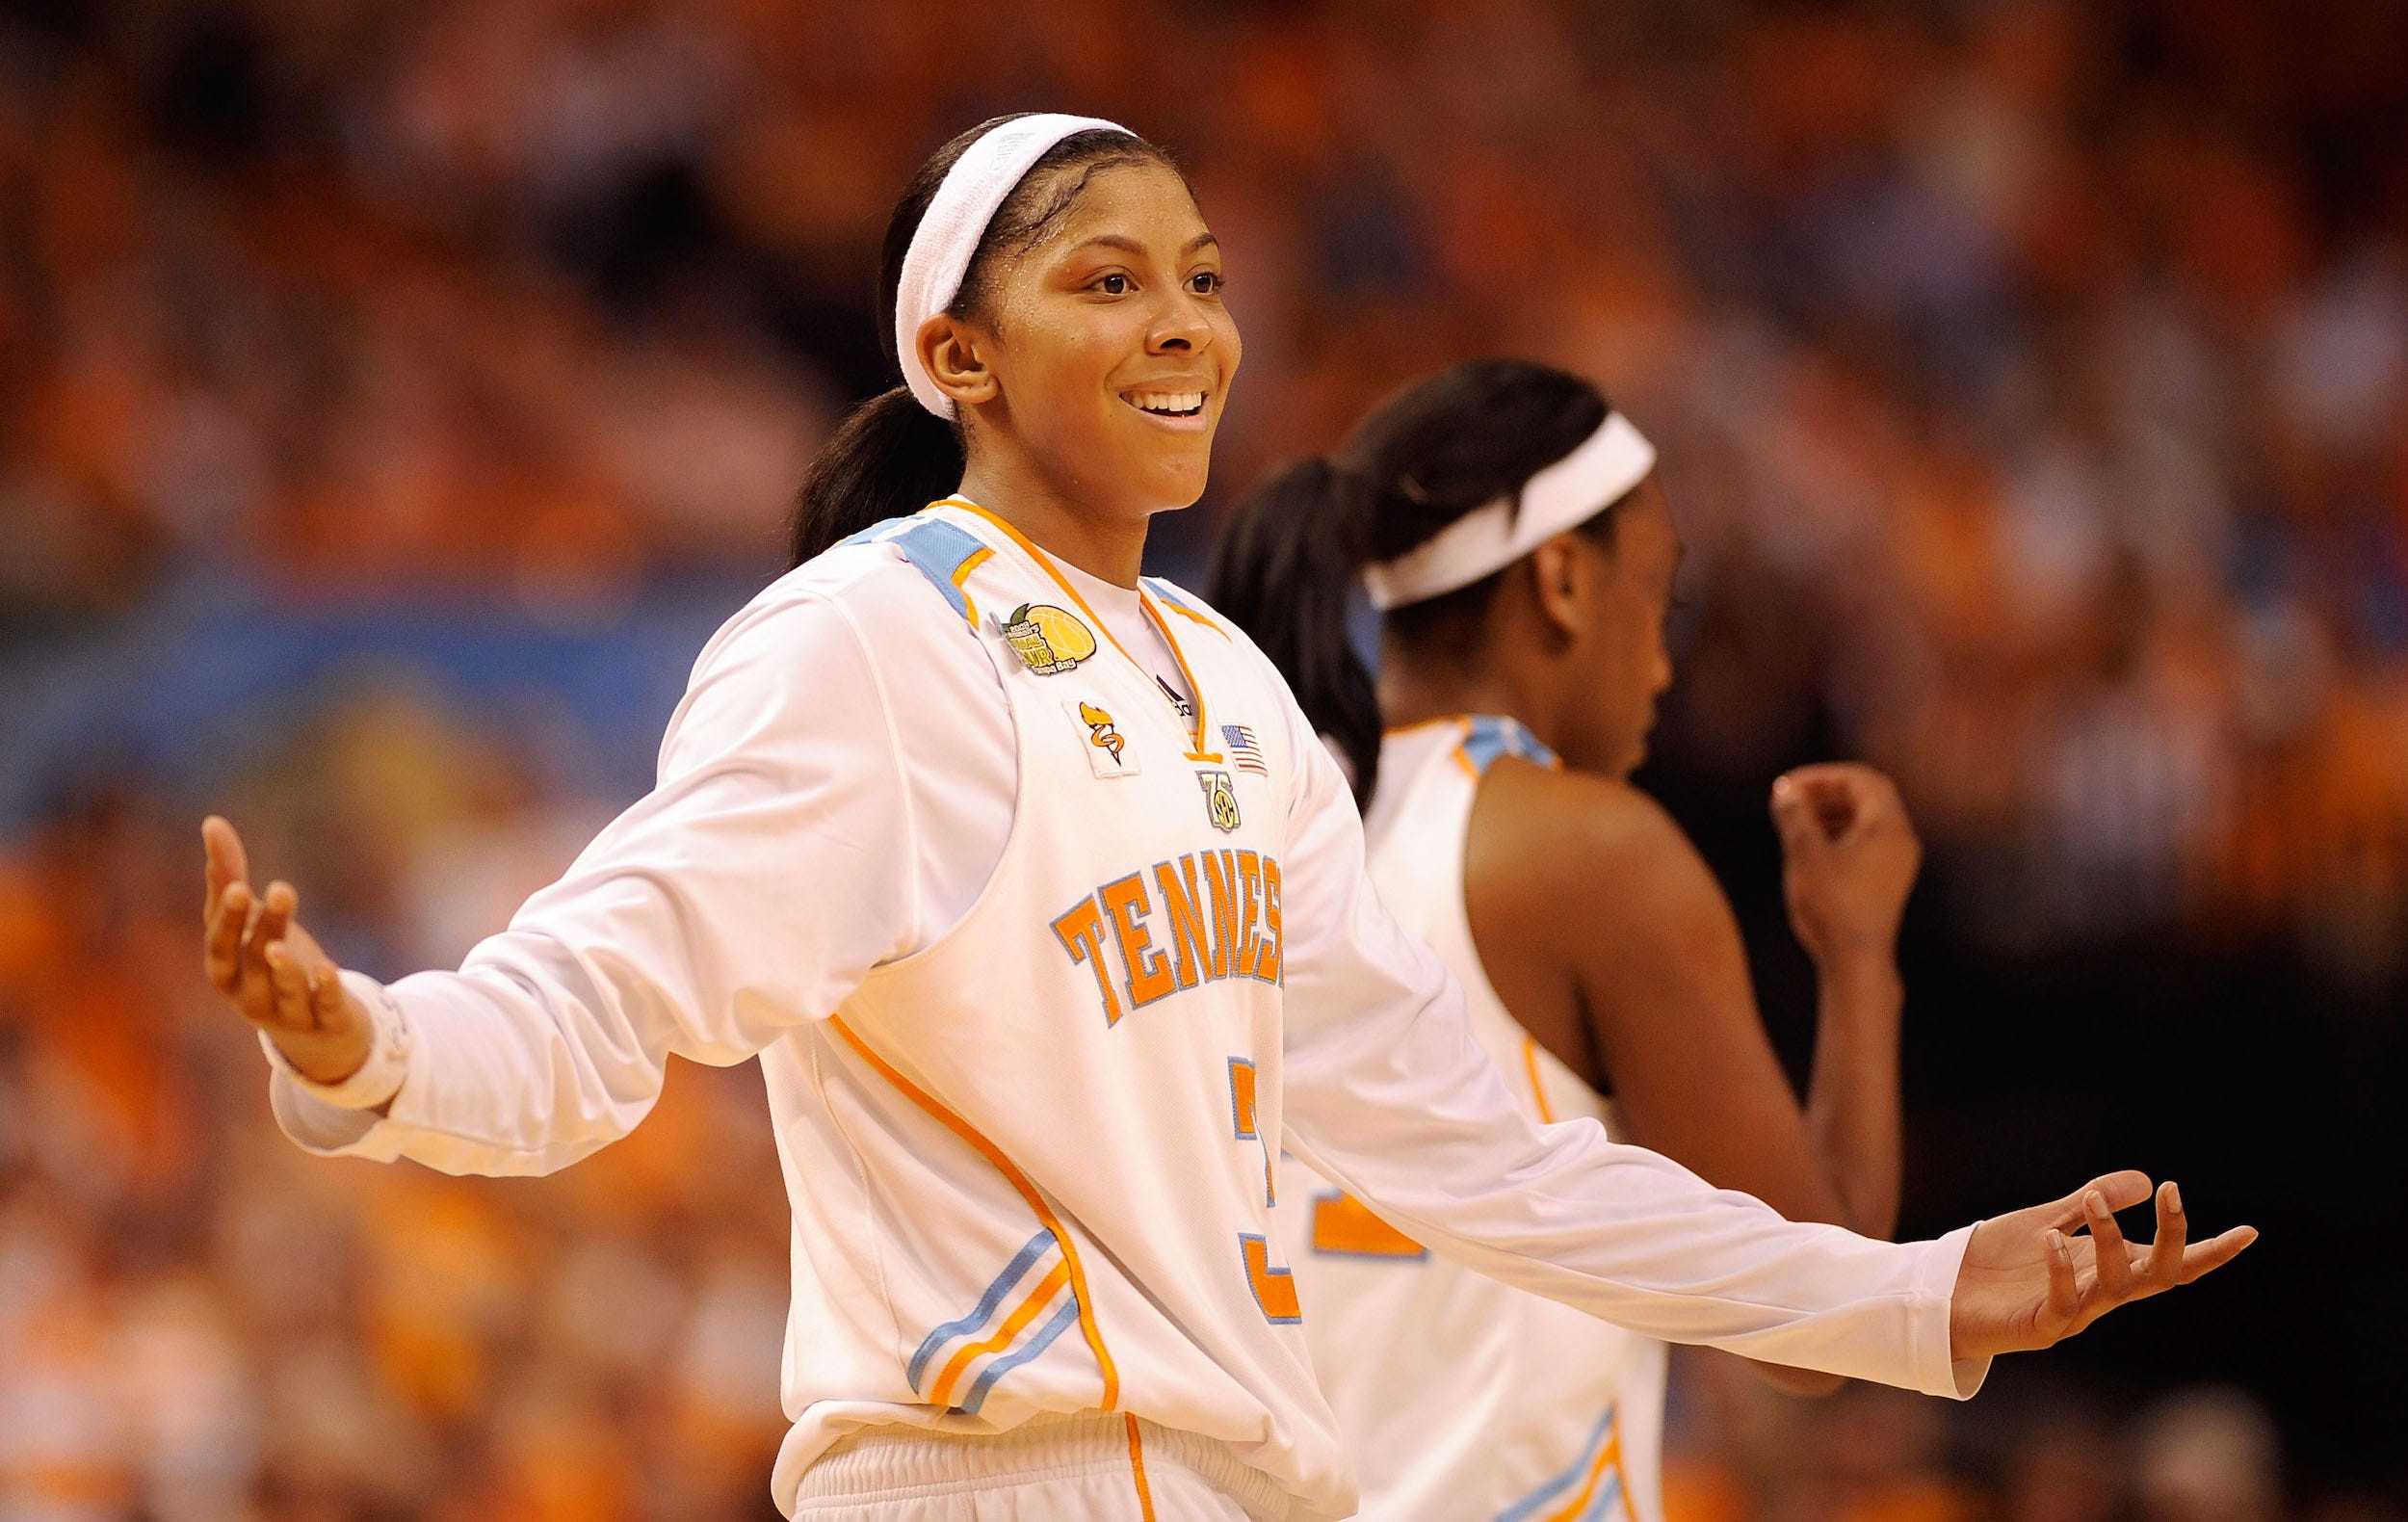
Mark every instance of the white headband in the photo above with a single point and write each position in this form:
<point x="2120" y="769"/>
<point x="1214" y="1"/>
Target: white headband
<point x="956" y="219"/>
<point x="1492" y="537"/>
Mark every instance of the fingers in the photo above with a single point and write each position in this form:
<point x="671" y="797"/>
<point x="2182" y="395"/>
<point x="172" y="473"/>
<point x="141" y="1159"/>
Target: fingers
<point x="325" y="998"/>
<point x="227" y="904"/>
<point x="221" y="940"/>
<point x="275" y="912"/>
<point x="2122" y="1190"/>
<point x="224" y="860"/>
<point x="2064" y="1299"/>
<point x="2212" y="1254"/>
<point x="1837" y="794"/>
<point x="1802" y="837"/>
<point x="255" y="978"/>
<point x="242" y="951"/>
<point x="289" y="983"/>
<point x="2113" y="1259"/>
<point x="1852" y="799"/>
<point x="2161" y="1269"/>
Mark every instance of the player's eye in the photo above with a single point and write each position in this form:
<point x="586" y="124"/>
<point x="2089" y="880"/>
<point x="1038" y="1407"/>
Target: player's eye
<point x="1206" y="282"/>
<point x="1112" y="284"/>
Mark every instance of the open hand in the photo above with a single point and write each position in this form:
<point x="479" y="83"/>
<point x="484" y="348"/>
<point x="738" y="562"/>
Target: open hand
<point x="1849" y="858"/>
<point x="273" y="971"/>
<point x="2028" y="1281"/>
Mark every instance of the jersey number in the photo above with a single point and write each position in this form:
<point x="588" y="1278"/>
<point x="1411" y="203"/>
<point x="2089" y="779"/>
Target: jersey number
<point x="1275" y="1289"/>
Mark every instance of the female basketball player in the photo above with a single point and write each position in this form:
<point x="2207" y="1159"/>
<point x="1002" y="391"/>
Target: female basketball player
<point x="1516" y="540"/>
<point x="1004" y="864"/>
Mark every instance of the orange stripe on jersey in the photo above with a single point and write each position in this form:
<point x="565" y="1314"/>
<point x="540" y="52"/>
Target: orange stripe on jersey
<point x="1190" y="613"/>
<point x="1036" y="1300"/>
<point x="1343" y="1223"/>
<point x="1424" y="723"/>
<point x="1196" y="688"/>
<point x="1136" y="1467"/>
<point x="1045" y="563"/>
<point x="1608" y="1457"/>
<point x="961" y="573"/>
<point x="1463" y="759"/>
<point x="1538" y="1091"/>
<point x="1028" y="1192"/>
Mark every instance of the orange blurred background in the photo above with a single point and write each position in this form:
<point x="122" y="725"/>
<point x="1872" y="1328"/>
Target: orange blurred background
<point x="393" y="398"/>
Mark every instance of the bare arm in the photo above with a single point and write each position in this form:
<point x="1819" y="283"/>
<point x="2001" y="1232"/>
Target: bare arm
<point x="1385" y="1091"/>
<point x="1851" y="858"/>
<point x="1658" y="981"/>
<point x="1605" y="932"/>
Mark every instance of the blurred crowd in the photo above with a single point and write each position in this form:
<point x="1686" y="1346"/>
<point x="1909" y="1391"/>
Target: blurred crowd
<point x="2033" y="373"/>
<point x="2032" y="383"/>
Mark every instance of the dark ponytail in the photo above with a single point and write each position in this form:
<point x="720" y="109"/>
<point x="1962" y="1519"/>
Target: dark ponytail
<point x="1290" y="559"/>
<point x="1284" y="572"/>
<point x="892" y="456"/>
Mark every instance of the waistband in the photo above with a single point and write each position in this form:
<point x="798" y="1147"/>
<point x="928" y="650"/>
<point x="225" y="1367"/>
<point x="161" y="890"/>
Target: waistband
<point x="890" y="1462"/>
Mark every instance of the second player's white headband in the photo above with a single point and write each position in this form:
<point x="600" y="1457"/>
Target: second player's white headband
<point x="1600" y="473"/>
<point x="948" y="233"/>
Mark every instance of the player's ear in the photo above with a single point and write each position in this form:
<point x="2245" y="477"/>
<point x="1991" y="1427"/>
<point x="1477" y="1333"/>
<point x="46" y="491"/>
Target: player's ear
<point x="1559" y="582"/>
<point x="953" y="352"/>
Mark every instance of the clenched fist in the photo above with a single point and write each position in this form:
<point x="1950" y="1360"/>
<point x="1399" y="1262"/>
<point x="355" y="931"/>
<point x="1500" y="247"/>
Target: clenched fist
<point x="1849" y="858"/>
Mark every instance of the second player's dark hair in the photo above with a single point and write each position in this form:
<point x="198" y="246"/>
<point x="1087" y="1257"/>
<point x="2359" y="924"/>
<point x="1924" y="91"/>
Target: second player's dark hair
<point x="1288" y="561"/>
<point x="891" y="456"/>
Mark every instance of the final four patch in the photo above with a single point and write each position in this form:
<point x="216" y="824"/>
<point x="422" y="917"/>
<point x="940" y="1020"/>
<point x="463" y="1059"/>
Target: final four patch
<point x="1108" y="750"/>
<point x="1221" y="799"/>
<point x="1046" y="638"/>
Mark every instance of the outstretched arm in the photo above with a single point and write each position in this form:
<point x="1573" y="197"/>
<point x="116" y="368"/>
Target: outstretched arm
<point x="1651" y="973"/>
<point x="763" y="876"/>
<point x="1388" y="1095"/>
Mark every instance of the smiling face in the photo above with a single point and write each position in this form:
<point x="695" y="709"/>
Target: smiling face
<point x="1097" y="360"/>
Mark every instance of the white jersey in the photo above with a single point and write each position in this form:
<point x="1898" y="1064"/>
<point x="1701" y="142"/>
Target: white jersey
<point x="1500" y="1404"/>
<point x="1028" y="1139"/>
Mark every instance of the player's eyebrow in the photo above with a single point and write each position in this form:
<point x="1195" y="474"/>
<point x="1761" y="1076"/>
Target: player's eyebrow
<point x="1129" y="245"/>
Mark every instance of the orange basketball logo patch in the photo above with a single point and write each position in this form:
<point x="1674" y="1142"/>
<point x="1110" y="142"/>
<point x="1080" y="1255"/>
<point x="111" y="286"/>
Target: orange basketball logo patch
<point x="1046" y="638"/>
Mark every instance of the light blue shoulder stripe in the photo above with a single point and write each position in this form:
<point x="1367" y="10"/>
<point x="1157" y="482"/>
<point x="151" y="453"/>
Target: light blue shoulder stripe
<point x="1172" y="594"/>
<point x="1044" y="1339"/>
<point x="1494" y="735"/>
<point x="1013" y="1273"/>
<point x="938" y="548"/>
<point x="876" y="531"/>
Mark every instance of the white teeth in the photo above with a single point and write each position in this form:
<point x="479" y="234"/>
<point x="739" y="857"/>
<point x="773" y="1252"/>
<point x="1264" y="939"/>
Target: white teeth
<point x="1164" y="401"/>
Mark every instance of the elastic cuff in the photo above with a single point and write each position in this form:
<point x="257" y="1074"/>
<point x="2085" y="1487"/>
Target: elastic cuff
<point x="379" y="1077"/>
<point x="1941" y="1373"/>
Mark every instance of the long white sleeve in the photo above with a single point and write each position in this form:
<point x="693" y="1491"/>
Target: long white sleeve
<point x="1388" y="1093"/>
<point x="772" y="866"/>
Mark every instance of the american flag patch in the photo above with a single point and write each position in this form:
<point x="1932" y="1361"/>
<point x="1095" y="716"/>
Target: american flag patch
<point x="1243" y="749"/>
